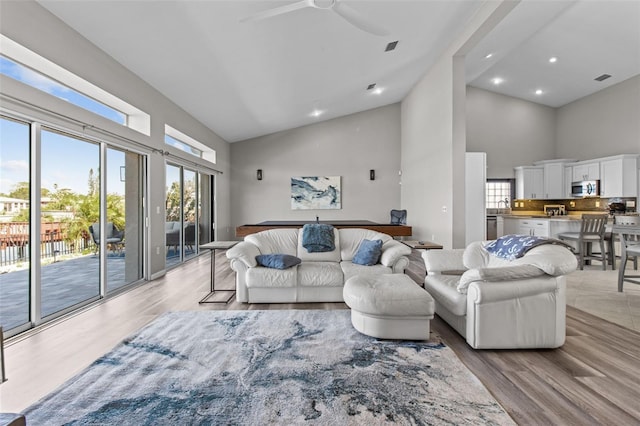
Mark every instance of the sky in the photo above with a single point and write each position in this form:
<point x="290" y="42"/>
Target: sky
<point x="65" y="161"/>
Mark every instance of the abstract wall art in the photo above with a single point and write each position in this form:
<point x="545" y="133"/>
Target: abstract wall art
<point x="315" y="192"/>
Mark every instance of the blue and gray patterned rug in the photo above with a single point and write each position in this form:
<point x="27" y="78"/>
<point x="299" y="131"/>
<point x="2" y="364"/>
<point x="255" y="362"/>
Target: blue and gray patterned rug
<point x="269" y="367"/>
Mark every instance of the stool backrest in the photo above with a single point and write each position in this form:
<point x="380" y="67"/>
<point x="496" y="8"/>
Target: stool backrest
<point x="593" y="224"/>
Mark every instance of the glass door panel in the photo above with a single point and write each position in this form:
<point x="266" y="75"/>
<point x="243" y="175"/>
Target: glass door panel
<point x="173" y="219"/>
<point x="70" y="231"/>
<point x="190" y="202"/>
<point x="14" y="224"/>
<point x="124" y="219"/>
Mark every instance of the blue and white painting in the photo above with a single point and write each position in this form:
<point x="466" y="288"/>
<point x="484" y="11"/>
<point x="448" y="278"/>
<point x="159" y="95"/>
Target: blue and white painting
<point x="315" y="192"/>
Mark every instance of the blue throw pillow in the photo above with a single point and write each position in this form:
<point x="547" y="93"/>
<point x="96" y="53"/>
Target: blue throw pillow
<point x="368" y="253"/>
<point x="277" y="261"/>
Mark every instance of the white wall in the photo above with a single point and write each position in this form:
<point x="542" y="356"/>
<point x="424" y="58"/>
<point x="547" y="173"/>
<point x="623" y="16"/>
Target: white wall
<point x="433" y="138"/>
<point x="605" y="123"/>
<point x="348" y="147"/>
<point x="513" y="132"/>
<point x="27" y="23"/>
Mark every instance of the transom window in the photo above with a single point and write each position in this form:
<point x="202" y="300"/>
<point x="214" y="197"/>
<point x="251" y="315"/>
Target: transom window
<point x="41" y="82"/>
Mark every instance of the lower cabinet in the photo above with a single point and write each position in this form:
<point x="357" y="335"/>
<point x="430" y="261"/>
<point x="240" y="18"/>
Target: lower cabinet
<point x="537" y="227"/>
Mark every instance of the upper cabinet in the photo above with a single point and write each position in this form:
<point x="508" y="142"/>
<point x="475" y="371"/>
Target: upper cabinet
<point x="586" y="171"/>
<point x="530" y="182"/>
<point x="619" y="176"/>
<point x="554" y="183"/>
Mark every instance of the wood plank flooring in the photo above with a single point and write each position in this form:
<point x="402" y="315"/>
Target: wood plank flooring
<point x="592" y="379"/>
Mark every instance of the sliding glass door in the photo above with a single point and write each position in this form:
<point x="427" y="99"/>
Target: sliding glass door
<point x="14" y="225"/>
<point x="71" y="205"/>
<point x="188" y="213"/>
<point x="69" y="232"/>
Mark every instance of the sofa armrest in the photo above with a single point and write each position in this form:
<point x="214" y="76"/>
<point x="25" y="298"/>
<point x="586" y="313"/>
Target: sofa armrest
<point x="392" y="252"/>
<point x="487" y="292"/>
<point x="245" y="252"/>
<point x="438" y="261"/>
<point x="505" y="274"/>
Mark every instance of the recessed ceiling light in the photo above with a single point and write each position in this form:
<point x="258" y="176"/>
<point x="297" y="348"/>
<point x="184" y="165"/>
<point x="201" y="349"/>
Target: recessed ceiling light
<point x="553" y="59"/>
<point x="316" y="113"/>
<point x="539" y="92"/>
<point x="488" y="55"/>
<point x="377" y="91"/>
<point x="497" y="81"/>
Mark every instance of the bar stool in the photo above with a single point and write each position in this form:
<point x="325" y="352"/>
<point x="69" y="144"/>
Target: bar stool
<point x="592" y="231"/>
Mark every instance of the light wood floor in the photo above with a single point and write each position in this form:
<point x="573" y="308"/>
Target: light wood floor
<point x="592" y="379"/>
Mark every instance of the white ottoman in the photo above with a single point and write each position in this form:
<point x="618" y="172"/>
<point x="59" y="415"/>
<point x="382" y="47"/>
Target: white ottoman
<point x="390" y="306"/>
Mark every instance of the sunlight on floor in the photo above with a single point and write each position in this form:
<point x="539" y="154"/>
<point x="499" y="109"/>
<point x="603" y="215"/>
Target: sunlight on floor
<point x="596" y="291"/>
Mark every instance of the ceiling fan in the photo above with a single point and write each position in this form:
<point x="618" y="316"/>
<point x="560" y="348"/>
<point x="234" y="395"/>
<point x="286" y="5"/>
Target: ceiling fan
<point x="336" y="6"/>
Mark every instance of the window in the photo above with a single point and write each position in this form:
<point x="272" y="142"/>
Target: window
<point x="179" y="140"/>
<point x="182" y="146"/>
<point x="499" y="193"/>
<point x="42" y="82"/>
<point x="21" y="64"/>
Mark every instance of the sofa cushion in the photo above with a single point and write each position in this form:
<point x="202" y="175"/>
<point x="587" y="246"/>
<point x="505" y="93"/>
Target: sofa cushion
<point x="443" y="288"/>
<point x="269" y="277"/>
<point x="350" y="269"/>
<point x="283" y="241"/>
<point x="316" y="274"/>
<point x="368" y="252"/>
<point x="327" y="256"/>
<point x="350" y="239"/>
<point x="277" y="261"/>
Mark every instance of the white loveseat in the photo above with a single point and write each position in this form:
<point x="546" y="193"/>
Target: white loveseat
<point x="498" y="303"/>
<point x="319" y="278"/>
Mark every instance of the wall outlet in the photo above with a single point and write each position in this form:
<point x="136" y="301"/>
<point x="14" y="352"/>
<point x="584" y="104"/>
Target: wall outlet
<point x="157" y="250"/>
<point x="444" y="209"/>
<point x="597" y="203"/>
<point x="572" y="203"/>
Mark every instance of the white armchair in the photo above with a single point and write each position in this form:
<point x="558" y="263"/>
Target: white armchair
<point x="500" y="304"/>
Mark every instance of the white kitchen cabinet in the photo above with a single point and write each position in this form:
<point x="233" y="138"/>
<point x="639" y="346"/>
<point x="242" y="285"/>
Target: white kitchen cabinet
<point x="586" y="171"/>
<point x="534" y="227"/>
<point x="568" y="179"/>
<point x="554" y="183"/>
<point x="525" y="226"/>
<point x="619" y="176"/>
<point x="529" y="182"/>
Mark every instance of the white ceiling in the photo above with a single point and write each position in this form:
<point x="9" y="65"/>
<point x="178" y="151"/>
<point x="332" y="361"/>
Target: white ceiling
<point x="247" y="79"/>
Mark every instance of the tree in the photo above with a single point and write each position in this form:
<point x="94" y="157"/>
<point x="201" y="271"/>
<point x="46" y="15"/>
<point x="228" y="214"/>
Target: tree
<point x="21" y="191"/>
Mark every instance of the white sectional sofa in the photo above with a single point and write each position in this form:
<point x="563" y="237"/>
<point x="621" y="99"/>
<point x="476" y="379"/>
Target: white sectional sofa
<point x="498" y="303"/>
<point x="320" y="277"/>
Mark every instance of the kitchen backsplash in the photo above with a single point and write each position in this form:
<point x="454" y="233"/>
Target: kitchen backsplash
<point x="573" y="204"/>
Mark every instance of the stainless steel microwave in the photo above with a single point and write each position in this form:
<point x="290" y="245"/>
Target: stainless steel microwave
<point x="585" y="188"/>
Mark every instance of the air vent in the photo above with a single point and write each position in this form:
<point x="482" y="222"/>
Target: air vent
<point x="602" y="77"/>
<point x="391" y="46"/>
<point x="371" y="86"/>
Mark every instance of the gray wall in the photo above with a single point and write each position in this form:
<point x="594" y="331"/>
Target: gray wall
<point x="433" y="141"/>
<point x="57" y="42"/>
<point x="605" y="123"/>
<point x="513" y="132"/>
<point x="348" y="147"/>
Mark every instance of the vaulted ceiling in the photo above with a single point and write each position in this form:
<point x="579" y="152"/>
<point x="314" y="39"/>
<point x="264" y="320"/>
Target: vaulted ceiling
<point x="243" y="76"/>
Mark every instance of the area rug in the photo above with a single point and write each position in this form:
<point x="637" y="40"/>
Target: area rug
<point x="284" y="367"/>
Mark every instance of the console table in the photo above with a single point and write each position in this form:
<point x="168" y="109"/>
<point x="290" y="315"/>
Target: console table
<point x="385" y="228"/>
<point x="213" y="246"/>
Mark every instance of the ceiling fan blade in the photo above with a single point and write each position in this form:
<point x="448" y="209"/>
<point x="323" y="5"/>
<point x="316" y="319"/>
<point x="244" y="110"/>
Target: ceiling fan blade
<point x="354" y="18"/>
<point x="276" y="11"/>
